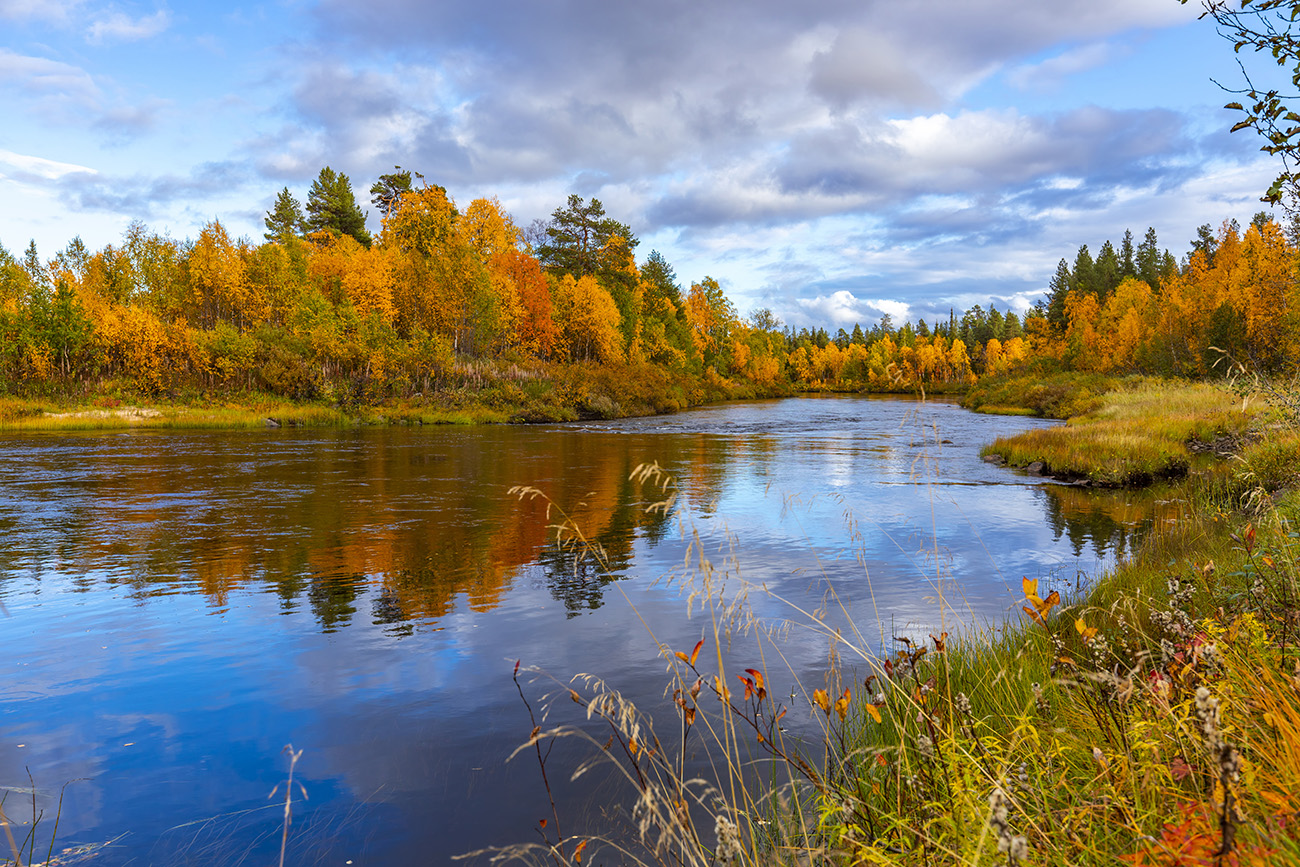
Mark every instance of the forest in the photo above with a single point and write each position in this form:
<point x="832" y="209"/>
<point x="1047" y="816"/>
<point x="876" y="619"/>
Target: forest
<point x="450" y="299"/>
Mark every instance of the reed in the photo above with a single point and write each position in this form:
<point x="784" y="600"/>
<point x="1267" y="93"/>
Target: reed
<point x="1150" y="718"/>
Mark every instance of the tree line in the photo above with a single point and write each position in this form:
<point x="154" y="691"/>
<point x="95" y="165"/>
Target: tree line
<point x="321" y="309"/>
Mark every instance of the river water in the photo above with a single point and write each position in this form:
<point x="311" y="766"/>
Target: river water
<point x="180" y="606"/>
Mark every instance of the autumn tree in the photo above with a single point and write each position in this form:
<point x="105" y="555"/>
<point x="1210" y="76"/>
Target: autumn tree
<point x="712" y="317"/>
<point x="581" y="241"/>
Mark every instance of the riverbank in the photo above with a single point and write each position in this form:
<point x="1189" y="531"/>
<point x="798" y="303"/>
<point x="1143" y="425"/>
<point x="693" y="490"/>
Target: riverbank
<point x="1151" y="717"/>
<point x="1148" y="716"/>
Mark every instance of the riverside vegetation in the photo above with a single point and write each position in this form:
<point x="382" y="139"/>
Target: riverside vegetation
<point x="456" y="314"/>
<point x="1151" y="718"/>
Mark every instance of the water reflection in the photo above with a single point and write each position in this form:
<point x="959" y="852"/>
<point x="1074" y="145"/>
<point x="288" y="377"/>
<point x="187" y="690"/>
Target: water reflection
<point x="184" y="604"/>
<point x="422" y="518"/>
<point x="1110" y="524"/>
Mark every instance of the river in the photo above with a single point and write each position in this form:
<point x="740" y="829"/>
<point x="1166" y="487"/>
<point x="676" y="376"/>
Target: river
<point x="180" y="606"/>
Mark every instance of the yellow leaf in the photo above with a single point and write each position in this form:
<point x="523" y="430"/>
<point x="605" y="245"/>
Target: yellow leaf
<point x="1282" y="802"/>
<point x="683" y="657"/>
<point x="875" y="714"/>
<point x="1085" y="630"/>
<point x="822" y="700"/>
<point x="842" y="705"/>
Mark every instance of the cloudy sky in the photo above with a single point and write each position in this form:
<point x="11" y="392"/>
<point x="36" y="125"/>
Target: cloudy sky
<point x="830" y="159"/>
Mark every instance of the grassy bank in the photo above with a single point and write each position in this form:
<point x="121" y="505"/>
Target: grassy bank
<point x="480" y="393"/>
<point x="1139" y="431"/>
<point x="1151" y="718"/>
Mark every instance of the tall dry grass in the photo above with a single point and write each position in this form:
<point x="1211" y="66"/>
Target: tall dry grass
<point x="1152" y="718"/>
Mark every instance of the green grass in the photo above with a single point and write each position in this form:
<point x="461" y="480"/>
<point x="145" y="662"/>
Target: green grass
<point x="1134" y="435"/>
<point x="1150" y="718"/>
<point x="1055" y="395"/>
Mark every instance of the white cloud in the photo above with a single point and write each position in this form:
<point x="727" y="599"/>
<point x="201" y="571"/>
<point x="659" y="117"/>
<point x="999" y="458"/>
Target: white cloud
<point x="38" y="10"/>
<point x="40" y="167"/>
<point x="843" y="309"/>
<point x="1049" y="74"/>
<point x="42" y="74"/>
<point x="120" y="27"/>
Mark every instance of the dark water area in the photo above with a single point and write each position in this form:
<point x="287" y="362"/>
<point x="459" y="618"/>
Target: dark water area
<point x="179" y="606"/>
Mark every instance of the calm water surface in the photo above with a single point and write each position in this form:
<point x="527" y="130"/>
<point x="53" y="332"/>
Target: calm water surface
<point x="177" y="607"/>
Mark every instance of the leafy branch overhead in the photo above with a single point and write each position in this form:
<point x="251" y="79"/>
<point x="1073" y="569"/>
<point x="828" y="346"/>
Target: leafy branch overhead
<point x="1266" y="29"/>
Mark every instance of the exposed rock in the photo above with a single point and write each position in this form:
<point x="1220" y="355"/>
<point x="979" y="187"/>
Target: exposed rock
<point x="1036" y="468"/>
<point x="272" y="422"/>
<point x="995" y="460"/>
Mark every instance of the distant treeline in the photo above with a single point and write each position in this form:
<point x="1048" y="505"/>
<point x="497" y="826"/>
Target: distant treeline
<point x="446" y="297"/>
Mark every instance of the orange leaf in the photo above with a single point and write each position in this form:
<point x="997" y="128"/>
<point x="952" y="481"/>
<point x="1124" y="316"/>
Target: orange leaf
<point x="842" y="705"/>
<point x="1279" y="801"/>
<point x="683" y="657"/>
<point x="875" y="713"/>
<point x="577" y="852"/>
<point x="749" y="686"/>
<point x="690" y="715"/>
<point x="695" y="654"/>
<point x="633" y="747"/>
<point x="822" y="700"/>
<point x="758" y="676"/>
<point x="1085" y="630"/>
<point x="940" y="641"/>
<point x="781" y="714"/>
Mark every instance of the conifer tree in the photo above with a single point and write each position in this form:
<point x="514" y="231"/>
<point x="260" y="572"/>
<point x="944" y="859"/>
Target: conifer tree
<point x="285" y="220"/>
<point x="386" y="192"/>
<point x="332" y="207"/>
<point x="1057" y="289"/>
<point x="1148" y="260"/>
<point x="1127" y="263"/>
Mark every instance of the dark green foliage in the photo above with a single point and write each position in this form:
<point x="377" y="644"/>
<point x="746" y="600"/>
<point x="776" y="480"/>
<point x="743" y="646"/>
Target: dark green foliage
<point x="661" y="282"/>
<point x="285" y="219"/>
<point x="577" y="237"/>
<point x="332" y="207"/>
<point x="1107" y="271"/>
<point x="1127" y="262"/>
<point x="578" y="242"/>
<point x="1149" y="262"/>
<point x="1057" y="289"/>
<point x="1205" y="243"/>
<point x="1226" y="335"/>
<point x="1085" y="273"/>
<point x="386" y="192"/>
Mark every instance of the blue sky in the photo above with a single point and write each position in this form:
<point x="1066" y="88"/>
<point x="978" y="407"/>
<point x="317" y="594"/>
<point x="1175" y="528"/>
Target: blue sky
<point x="832" y="159"/>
